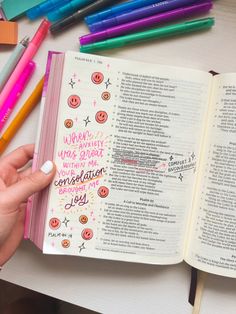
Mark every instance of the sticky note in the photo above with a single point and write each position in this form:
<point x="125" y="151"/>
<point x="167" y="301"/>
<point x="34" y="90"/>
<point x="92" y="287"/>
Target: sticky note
<point x="14" y="8"/>
<point x="8" y="32"/>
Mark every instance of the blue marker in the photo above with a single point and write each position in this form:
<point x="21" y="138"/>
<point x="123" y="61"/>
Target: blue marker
<point x="149" y="10"/>
<point x="118" y="9"/>
<point x="67" y="9"/>
<point x="43" y="8"/>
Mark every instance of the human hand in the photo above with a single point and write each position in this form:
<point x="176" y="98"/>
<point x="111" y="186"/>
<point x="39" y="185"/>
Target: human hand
<point x="16" y="186"/>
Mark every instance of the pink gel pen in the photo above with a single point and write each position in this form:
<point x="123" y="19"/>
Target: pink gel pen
<point x="28" y="55"/>
<point x="15" y="93"/>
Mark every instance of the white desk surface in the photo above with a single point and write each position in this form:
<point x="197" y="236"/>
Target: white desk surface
<point x="115" y="287"/>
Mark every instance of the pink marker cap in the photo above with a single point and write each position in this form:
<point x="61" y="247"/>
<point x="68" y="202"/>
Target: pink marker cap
<point x="41" y="32"/>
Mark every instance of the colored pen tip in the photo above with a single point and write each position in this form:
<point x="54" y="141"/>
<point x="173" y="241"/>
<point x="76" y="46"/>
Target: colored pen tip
<point x="44" y="27"/>
<point x="42" y="31"/>
<point x="63" y="24"/>
<point x="56" y="27"/>
<point x="45" y="24"/>
<point x="45" y="21"/>
<point x="25" y="41"/>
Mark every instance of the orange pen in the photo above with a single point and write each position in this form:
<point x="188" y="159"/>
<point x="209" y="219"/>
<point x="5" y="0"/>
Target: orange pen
<point x="23" y="113"/>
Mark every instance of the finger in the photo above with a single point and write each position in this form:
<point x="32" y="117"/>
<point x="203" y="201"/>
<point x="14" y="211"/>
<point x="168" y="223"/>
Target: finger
<point x="7" y="222"/>
<point x="19" y="157"/>
<point x="21" y="190"/>
<point x="13" y="240"/>
<point x="24" y="173"/>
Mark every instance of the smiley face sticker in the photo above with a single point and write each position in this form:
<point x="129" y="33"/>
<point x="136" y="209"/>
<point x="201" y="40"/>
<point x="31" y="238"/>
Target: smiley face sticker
<point x="101" y="117"/>
<point x="83" y="219"/>
<point x="97" y="77"/>
<point x="68" y="123"/>
<point x="54" y="223"/>
<point x="65" y="243"/>
<point x="74" y="101"/>
<point x="103" y="191"/>
<point x="106" y="96"/>
<point x="87" y="234"/>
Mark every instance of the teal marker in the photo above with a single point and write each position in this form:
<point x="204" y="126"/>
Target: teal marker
<point x="170" y="30"/>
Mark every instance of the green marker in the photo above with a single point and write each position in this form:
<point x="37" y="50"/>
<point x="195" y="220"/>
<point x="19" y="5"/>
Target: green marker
<point x="170" y="30"/>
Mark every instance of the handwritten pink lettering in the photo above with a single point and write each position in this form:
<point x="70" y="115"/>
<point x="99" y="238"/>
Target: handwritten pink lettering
<point x="87" y="154"/>
<point x="73" y="165"/>
<point x="63" y="154"/>
<point x="63" y="173"/>
<point x="97" y="143"/>
<point x="72" y="189"/>
<point x="75" y="138"/>
<point x="92" y="163"/>
<point x="93" y="184"/>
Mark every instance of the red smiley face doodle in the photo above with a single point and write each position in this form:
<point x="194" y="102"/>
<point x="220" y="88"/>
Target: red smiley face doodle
<point x="54" y="223"/>
<point x="68" y="123"/>
<point x="103" y="191"/>
<point x="97" y="77"/>
<point x="74" y="101"/>
<point x="101" y="117"/>
<point x="83" y="219"/>
<point x="65" y="243"/>
<point x="106" y="96"/>
<point x="87" y="234"/>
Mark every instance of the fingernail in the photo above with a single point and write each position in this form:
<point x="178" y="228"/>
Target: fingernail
<point x="47" y="167"/>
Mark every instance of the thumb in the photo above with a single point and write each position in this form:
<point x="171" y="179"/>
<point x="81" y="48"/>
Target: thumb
<point x="35" y="182"/>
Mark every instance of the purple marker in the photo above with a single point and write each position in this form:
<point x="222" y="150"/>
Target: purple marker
<point x="147" y="22"/>
<point x="140" y="13"/>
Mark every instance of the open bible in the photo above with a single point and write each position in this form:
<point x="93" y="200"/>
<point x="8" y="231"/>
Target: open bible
<point x="145" y="159"/>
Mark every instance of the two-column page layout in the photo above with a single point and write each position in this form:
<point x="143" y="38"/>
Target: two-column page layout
<point x="145" y="163"/>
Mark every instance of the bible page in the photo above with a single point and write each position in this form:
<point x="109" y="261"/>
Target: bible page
<point x="212" y="245"/>
<point x="126" y="149"/>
